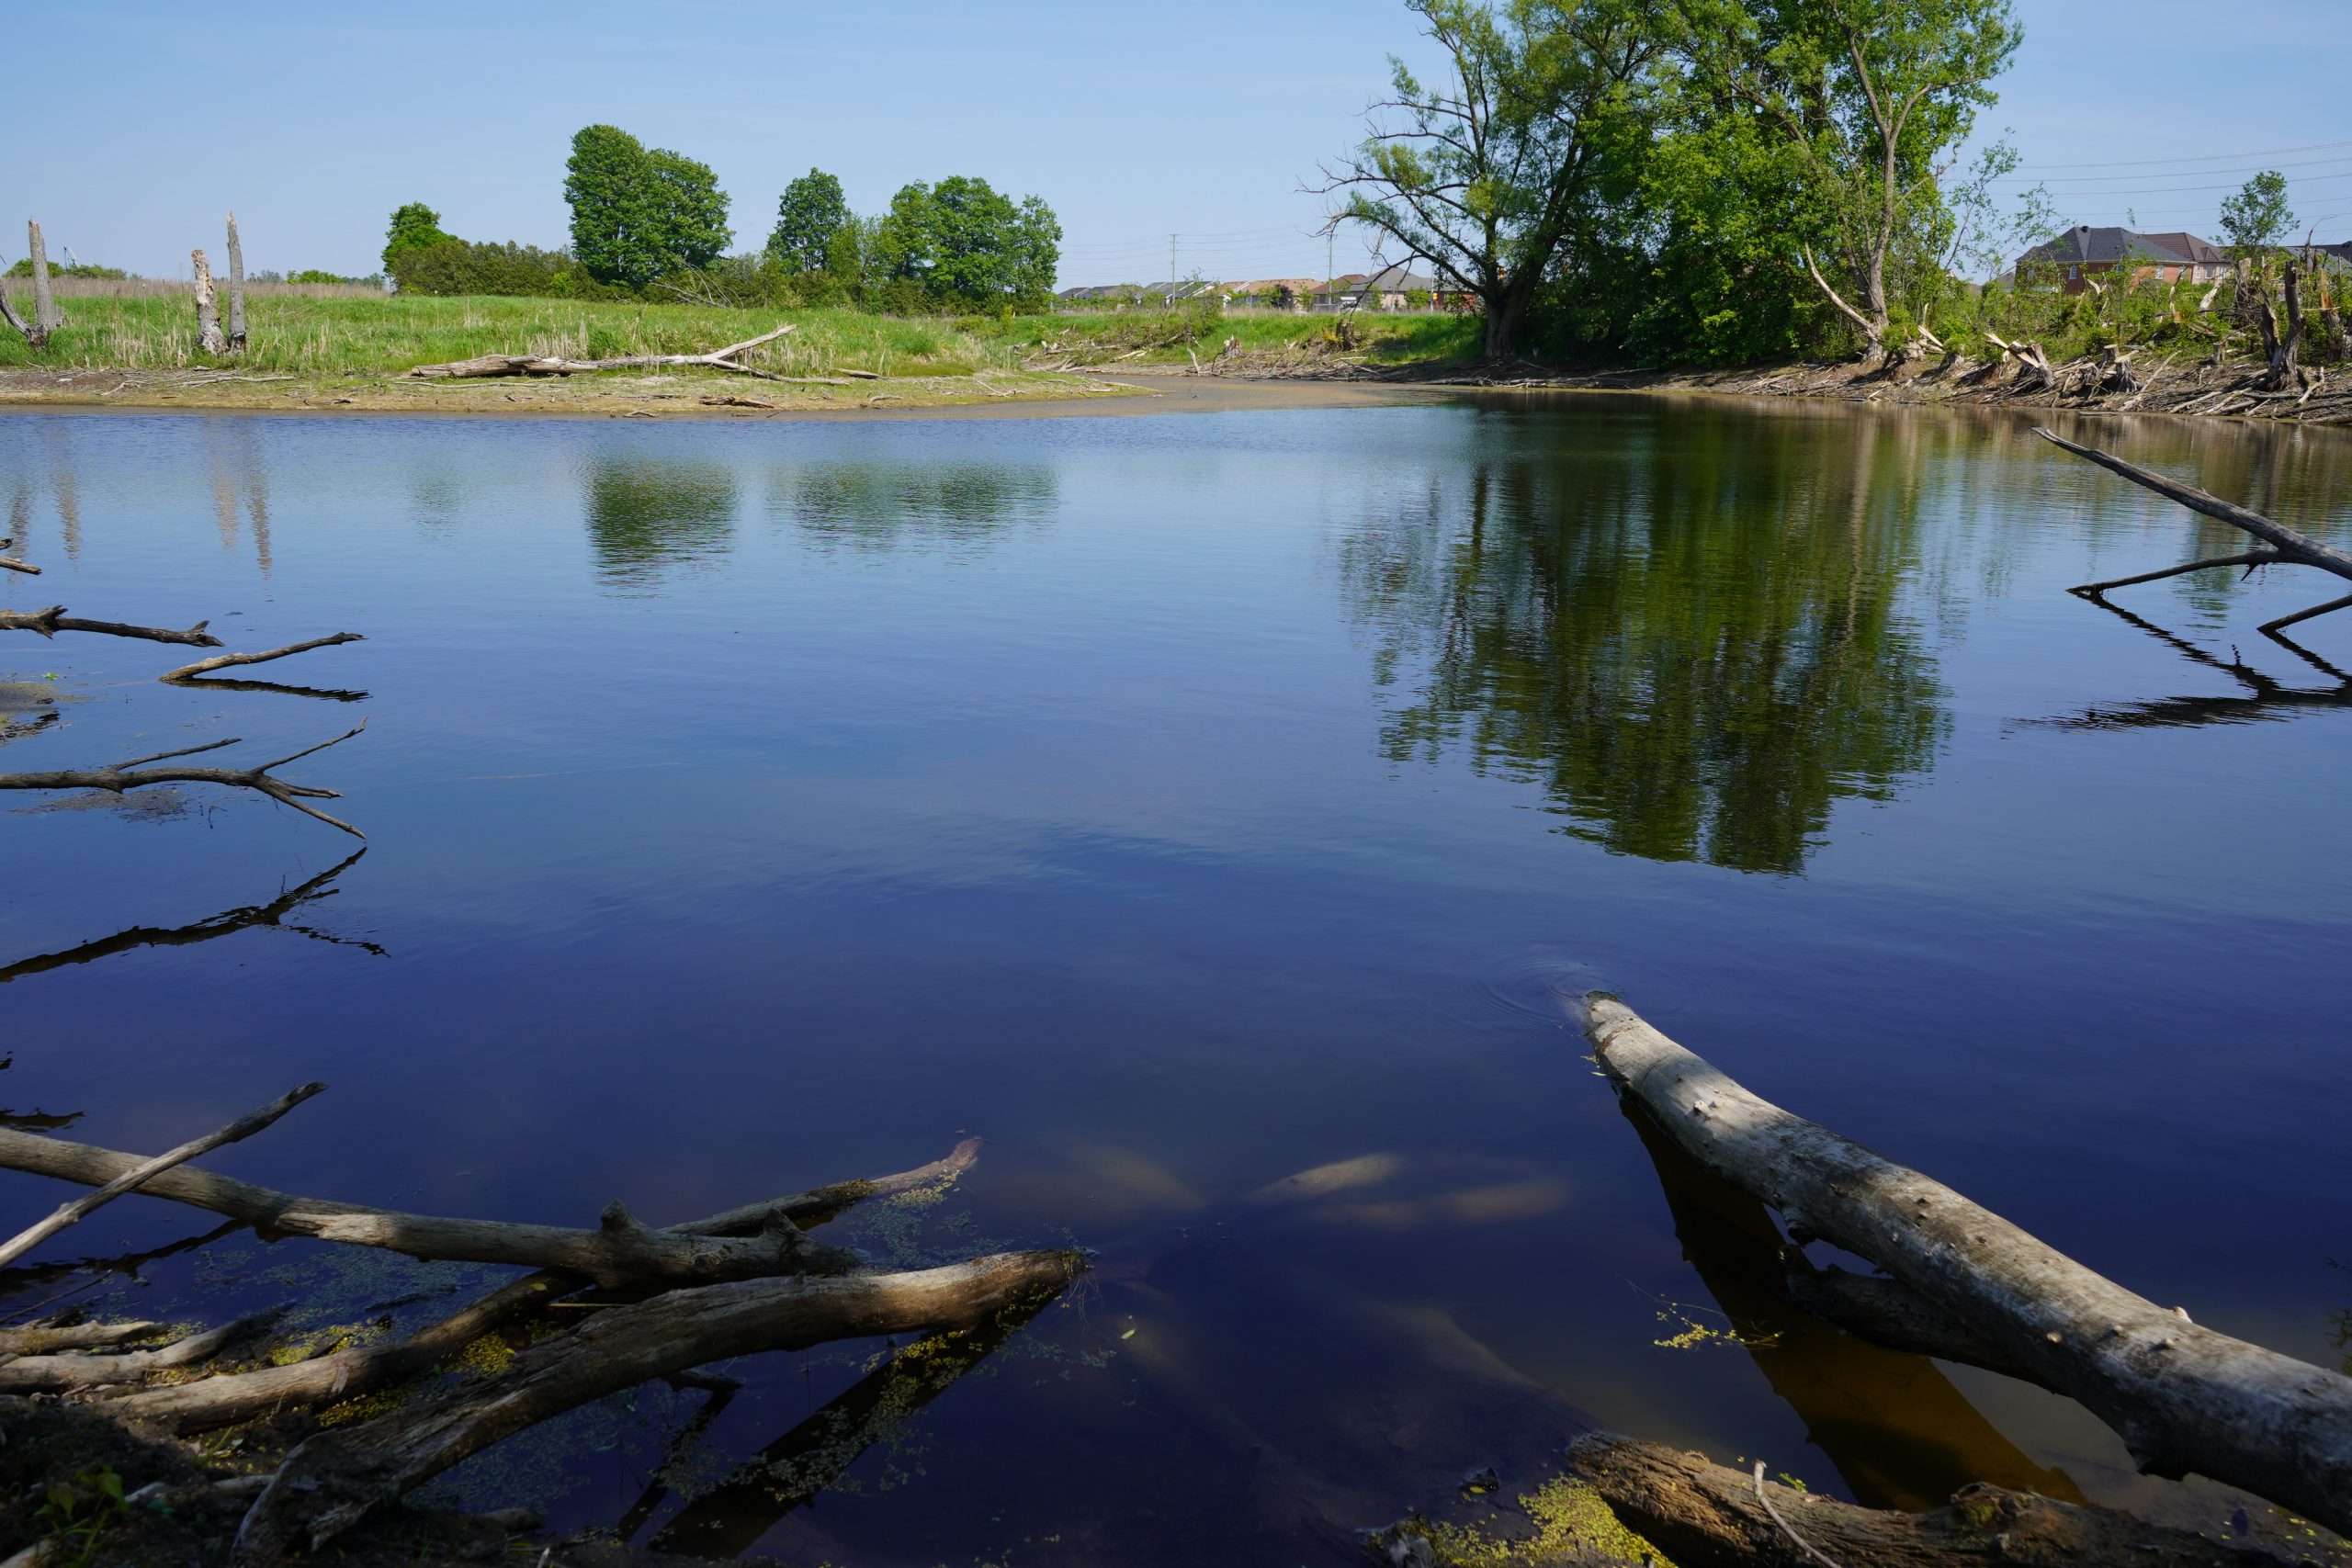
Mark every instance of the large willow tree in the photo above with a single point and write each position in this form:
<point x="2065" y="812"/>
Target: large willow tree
<point x="1489" y="174"/>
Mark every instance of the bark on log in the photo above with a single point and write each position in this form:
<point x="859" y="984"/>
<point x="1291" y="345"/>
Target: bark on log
<point x="39" y="1341"/>
<point x="236" y="289"/>
<point x="120" y="777"/>
<point x="335" y="1478"/>
<point x="208" y="311"/>
<point x="2262" y="557"/>
<point x="54" y="619"/>
<point x="2182" y="1397"/>
<point x="1708" y="1516"/>
<point x="10" y="563"/>
<point x="230" y="660"/>
<point x="35" y="1374"/>
<point x="81" y="1208"/>
<point x="2034" y="372"/>
<point x="23" y="328"/>
<point x="2280" y="350"/>
<point x="47" y="318"/>
<point x="492" y="365"/>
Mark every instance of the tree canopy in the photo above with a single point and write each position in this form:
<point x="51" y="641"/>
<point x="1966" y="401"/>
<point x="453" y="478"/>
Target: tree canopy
<point x="2256" y="214"/>
<point x="637" y="215"/>
<point x="961" y="242"/>
<point x="810" y="219"/>
<point x="414" y="228"/>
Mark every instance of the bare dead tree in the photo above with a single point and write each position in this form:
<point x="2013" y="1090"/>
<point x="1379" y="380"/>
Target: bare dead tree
<point x="207" y="308"/>
<point x="50" y="622"/>
<point x="236" y="289"/>
<point x="2280" y="350"/>
<point x="47" y="317"/>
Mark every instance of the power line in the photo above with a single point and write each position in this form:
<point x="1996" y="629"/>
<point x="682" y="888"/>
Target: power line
<point x="2110" y="179"/>
<point x="2195" y="158"/>
<point x="2172" y="190"/>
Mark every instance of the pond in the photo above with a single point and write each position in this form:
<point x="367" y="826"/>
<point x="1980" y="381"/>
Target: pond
<point x="1182" y="804"/>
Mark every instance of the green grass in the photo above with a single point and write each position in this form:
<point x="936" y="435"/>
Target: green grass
<point x="1399" y="338"/>
<point x="306" y="335"/>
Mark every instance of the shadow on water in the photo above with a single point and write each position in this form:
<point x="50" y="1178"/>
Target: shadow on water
<point x="649" y="517"/>
<point x="244" y="918"/>
<point x="889" y="506"/>
<point x="1695" y="655"/>
<point x="1900" y="1434"/>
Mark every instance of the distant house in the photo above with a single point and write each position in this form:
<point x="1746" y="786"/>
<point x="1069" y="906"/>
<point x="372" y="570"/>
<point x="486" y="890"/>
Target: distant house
<point x="1338" y="294"/>
<point x="1392" y="289"/>
<point x="1270" y="293"/>
<point x="2084" y="253"/>
<point x="1101" y="295"/>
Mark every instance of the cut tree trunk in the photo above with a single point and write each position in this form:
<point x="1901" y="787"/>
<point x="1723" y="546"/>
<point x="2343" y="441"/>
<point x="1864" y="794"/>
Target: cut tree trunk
<point x="236" y="289"/>
<point x="208" y="311"/>
<point x="491" y="364"/>
<point x="47" y="317"/>
<point x="335" y="1479"/>
<point x="1708" y="1516"/>
<point x="2034" y="371"/>
<point x="2182" y="1397"/>
<point x="2281" y="350"/>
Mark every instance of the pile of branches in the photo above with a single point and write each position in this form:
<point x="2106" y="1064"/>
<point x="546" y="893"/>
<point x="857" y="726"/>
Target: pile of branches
<point x="667" y="1299"/>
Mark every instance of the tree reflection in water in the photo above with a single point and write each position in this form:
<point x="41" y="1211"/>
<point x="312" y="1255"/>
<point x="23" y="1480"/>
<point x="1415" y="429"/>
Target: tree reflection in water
<point x="886" y="506"/>
<point x="1696" y="647"/>
<point x="648" y="517"/>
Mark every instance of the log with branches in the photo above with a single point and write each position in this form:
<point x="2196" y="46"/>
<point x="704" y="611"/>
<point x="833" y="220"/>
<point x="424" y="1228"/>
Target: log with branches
<point x="191" y="673"/>
<point x="50" y="622"/>
<point x="2280" y="544"/>
<point x="492" y="365"/>
<point x="121" y="777"/>
<point x="2184" y="1398"/>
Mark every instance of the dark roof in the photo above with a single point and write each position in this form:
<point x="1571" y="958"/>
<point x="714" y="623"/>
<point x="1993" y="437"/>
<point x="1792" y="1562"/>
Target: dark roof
<point x="2204" y="253"/>
<point x="1398" y="279"/>
<point x="2086" y="244"/>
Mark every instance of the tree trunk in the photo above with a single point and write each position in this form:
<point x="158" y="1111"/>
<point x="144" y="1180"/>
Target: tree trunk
<point x="2283" y="349"/>
<point x="47" y="318"/>
<point x="208" y="313"/>
<point x="2182" y="1397"/>
<point x="1708" y="1516"/>
<point x="236" y="289"/>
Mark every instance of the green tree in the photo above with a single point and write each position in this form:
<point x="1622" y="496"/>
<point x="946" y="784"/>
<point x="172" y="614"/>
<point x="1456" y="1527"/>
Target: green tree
<point x="616" y="215"/>
<point x="1863" y="101"/>
<point x="690" y="210"/>
<point x="415" y="226"/>
<point x="961" y="242"/>
<point x="808" y="217"/>
<point x="2257" y="216"/>
<point x="1490" y="173"/>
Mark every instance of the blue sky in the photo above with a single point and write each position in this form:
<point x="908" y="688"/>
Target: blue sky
<point x="136" y="125"/>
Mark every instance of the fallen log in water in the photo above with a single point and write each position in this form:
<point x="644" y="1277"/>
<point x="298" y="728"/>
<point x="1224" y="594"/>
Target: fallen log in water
<point x="332" y="1480"/>
<point x="2182" y="1397"/>
<point x="492" y="365"/>
<point x="50" y="622"/>
<point x="186" y="672"/>
<point x="54" y="1373"/>
<point x="1707" y="1516"/>
<point x="2280" y="543"/>
<point x="117" y="778"/>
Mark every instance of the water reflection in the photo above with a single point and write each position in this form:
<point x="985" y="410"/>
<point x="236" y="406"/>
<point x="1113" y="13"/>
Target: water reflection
<point x="1900" y="1434"/>
<point x="648" y="517"/>
<point x="243" y="918"/>
<point x="882" y="506"/>
<point x="1696" y="649"/>
<point x="2266" y="697"/>
<point x="240" y="484"/>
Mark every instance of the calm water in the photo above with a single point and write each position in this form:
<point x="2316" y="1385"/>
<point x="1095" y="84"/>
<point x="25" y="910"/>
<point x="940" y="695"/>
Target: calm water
<point x="1183" y="802"/>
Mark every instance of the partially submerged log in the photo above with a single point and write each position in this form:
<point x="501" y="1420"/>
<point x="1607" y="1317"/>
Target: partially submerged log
<point x="186" y="672"/>
<point x="120" y="777"/>
<point x="50" y="622"/>
<point x="57" y="1373"/>
<point x="2281" y="543"/>
<point x="745" y="1244"/>
<point x="2182" y="1398"/>
<point x="130" y="1180"/>
<point x="492" y="365"/>
<point x="335" y="1479"/>
<point x="1707" y="1516"/>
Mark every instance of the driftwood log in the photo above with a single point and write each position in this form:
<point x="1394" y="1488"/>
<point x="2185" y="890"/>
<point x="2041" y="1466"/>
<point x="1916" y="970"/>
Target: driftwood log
<point x="10" y="563"/>
<point x="490" y="365"/>
<point x="1707" y="1516"/>
<point x="744" y="1244"/>
<point x="57" y="1373"/>
<point x="2182" y="1398"/>
<point x="231" y="660"/>
<point x="130" y="1180"/>
<point x="50" y="622"/>
<point x="2280" y="543"/>
<point x="121" y="777"/>
<point x="332" y="1480"/>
